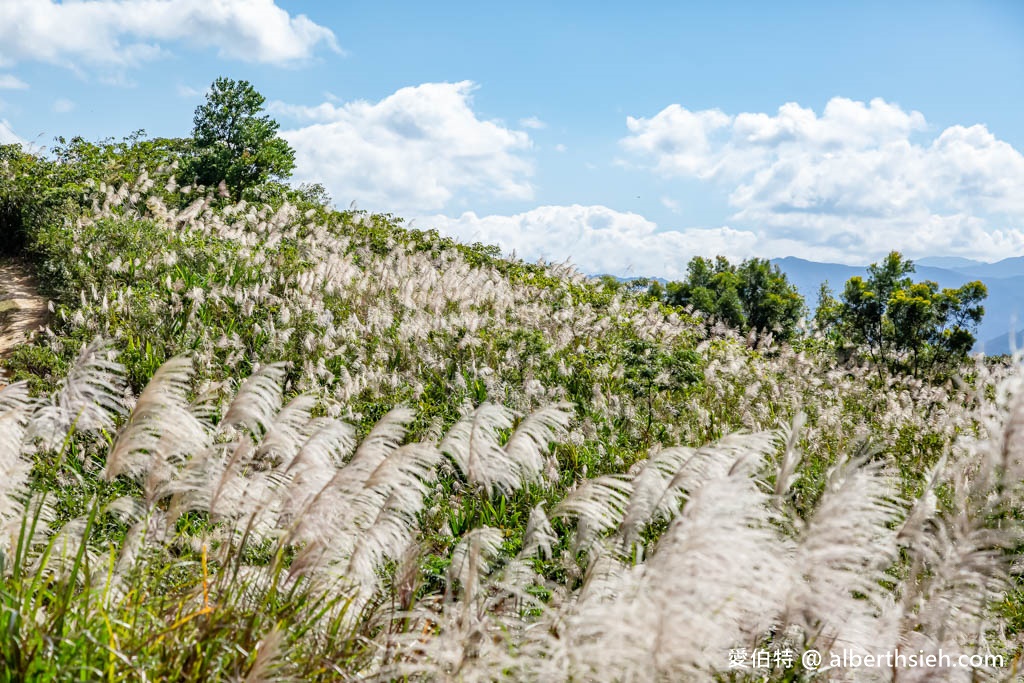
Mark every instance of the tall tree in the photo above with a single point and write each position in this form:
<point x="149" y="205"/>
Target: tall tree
<point x="770" y="301"/>
<point x="235" y="142"/>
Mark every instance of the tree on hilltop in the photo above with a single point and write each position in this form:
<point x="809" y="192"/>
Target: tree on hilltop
<point x="234" y="142"/>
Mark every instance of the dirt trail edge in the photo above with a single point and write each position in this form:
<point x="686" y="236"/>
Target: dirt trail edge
<point x="22" y="310"/>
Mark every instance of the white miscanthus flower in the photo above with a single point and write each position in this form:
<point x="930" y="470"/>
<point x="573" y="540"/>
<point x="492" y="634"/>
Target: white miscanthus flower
<point x="197" y="295"/>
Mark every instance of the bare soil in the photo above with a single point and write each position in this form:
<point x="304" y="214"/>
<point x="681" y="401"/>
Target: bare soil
<point x="23" y="311"/>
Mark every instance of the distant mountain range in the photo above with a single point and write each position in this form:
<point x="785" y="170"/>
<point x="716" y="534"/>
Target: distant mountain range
<point x="1004" y="306"/>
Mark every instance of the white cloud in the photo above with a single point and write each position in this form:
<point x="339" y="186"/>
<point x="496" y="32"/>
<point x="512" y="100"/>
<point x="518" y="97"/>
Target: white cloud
<point x="7" y="135"/>
<point x="11" y="82"/>
<point x="118" y="34"/>
<point x="410" y="152"/>
<point x="560" y="147"/>
<point x="598" y="239"/>
<point x="677" y="139"/>
<point x="854" y="182"/>
<point x="62" y="105"/>
<point x="532" y="122"/>
<point x="188" y="92"/>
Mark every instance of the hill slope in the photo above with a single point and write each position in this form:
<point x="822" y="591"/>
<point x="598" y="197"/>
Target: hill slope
<point x="271" y="440"/>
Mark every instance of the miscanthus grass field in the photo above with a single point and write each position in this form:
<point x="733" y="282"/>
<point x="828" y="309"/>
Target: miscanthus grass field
<point x="267" y="440"/>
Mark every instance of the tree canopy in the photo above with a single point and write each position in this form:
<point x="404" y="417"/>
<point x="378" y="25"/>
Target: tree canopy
<point x="754" y="295"/>
<point x="234" y="142"/>
<point x="900" y="323"/>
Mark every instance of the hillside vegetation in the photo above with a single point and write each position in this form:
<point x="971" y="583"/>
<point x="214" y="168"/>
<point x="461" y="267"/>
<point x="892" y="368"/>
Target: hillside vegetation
<point x="261" y="439"/>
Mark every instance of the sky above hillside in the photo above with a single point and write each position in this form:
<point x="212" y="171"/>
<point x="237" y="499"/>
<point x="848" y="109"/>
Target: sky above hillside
<point x="627" y="139"/>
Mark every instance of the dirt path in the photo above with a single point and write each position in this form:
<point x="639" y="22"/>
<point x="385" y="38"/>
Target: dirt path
<point x="22" y="310"/>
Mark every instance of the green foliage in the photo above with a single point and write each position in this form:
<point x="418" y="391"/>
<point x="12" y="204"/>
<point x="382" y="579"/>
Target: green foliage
<point x="234" y="143"/>
<point x="19" y="202"/>
<point x="651" y="370"/>
<point x="368" y="314"/>
<point x="39" y="192"/>
<point x="755" y="295"/>
<point x="902" y="324"/>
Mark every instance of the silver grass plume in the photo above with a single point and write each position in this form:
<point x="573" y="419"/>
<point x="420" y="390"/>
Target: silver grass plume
<point x="403" y="476"/>
<point x="384" y="438"/>
<point x="963" y="571"/>
<point x="16" y="397"/>
<point x="161" y="431"/>
<point x="270" y="651"/>
<point x="473" y="443"/>
<point x="290" y="429"/>
<point x="840" y="599"/>
<point x="791" y="455"/>
<point x="67" y="542"/>
<point x="532" y="437"/>
<point x="694" y="467"/>
<point x="313" y="467"/>
<point x="694" y="582"/>
<point x="472" y="642"/>
<point x="212" y="480"/>
<point x="145" y="528"/>
<point x="366" y="513"/>
<point x="348" y="481"/>
<point x="471" y="560"/>
<point x="661" y="482"/>
<point x="539" y="537"/>
<point x="257" y="401"/>
<point x="14" y="475"/>
<point x="39" y="509"/>
<point x="960" y="567"/>
<point x="598" y="505"/>
<point x="89" y="399"/>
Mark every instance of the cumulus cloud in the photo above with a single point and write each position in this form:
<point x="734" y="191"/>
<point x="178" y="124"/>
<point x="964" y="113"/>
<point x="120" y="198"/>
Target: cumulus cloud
<point x="124" y="33"/>
<point x="410" y="152"/>
<point x="532" y="122"/>
<point x="598" y="239"/>
<point x="11" y="82"/>
<point x="7" y="135"/>
<point x="854" y="182"/>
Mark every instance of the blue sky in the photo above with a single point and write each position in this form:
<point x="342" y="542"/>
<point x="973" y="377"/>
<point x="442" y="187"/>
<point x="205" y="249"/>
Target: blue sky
<point x="625" y="138"/>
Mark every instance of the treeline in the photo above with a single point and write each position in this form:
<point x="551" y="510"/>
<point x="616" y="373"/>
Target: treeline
<point x="898" y="323"/>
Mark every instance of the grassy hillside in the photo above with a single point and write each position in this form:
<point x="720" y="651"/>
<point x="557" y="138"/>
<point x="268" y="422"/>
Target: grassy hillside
<point x="267" y="440"/>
